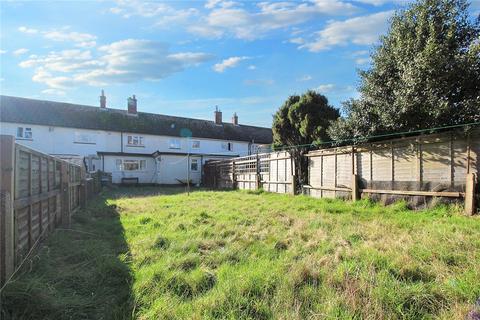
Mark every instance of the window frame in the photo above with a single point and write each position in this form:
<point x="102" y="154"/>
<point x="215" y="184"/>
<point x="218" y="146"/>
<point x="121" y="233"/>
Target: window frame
<point x="25" y="133"/>
<point x="174" y="143"/>
<point x="135" y="141"/>
<point x="194" y="142"/>
<point x="141" y="164"/>
<point x="192" y="162"/>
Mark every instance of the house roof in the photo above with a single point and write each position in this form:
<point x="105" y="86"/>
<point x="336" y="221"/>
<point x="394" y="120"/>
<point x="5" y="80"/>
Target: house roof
<point x="61" y="114"/>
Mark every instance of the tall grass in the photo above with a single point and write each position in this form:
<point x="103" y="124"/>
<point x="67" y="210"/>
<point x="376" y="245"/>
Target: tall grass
<point x="241" y="255"/>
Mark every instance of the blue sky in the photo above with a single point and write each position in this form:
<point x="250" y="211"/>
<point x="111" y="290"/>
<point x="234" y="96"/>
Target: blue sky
<point x="183" y="58"/>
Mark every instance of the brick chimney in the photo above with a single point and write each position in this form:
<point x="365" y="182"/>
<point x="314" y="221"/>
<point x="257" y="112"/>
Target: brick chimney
<point x="235" y="119"/>
<point x="132" y="105"/>
<point x="218" y="116"/>
<point x="103" y="100"/>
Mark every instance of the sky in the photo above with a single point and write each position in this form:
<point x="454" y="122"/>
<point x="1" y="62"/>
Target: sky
<point x="184" y="58"/>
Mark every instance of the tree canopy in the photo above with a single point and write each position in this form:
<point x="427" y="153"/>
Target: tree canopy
<point x="303" y="120"/>
<point x="424" y="73"/>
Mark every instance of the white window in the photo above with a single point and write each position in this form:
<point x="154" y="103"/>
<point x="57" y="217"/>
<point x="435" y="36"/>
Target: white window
<point x="195" y="144"/>
<point x="174" y="144"/>
<point x="24" y="133"/>
<point x="131" y="165"/>
<point x="135" y="140"/>
<point x="227" y="146"/>
<point x="84" y="137"/>
<point x="118" y="164"/>
<point x="194" y="165"/>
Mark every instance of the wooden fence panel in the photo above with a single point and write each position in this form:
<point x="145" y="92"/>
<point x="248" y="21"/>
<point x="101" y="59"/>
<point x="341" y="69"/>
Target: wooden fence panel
<point x="38" y="192"/>
<point x="271" y="171"/>
<point x="426" y="166"/>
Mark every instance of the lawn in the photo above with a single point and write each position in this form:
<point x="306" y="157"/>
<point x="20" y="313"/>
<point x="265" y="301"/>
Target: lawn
<point x="156" y="253"/>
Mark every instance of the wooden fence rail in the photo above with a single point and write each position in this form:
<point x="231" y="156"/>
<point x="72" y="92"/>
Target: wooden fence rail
<point x="38" y="192"/>
<point x="272" y="172"/>
<point x="416" y="168"/>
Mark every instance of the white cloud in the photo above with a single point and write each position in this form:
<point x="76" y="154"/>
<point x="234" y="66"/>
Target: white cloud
<point x="325" y="88"/>
<point x="363" y="30"/>
<point x="228" y="63"/>
<point x="234" y="20"/>
<point x="54" y="92"/>
<point x="20" y="51"/>
<point x="298" y="40"/>
<point x="164" y="14"/>
<point x="81" y="39"/>
<point x="3" y="51"/>
<point x="252" y="67"/>
<point x="27" y="30"/>
<point x="361" y="57"/>
<point x="124" y="61"/>
<point x="363" y="60"/>
<point x="306" y="77"/>
<point x="212" y="3"/>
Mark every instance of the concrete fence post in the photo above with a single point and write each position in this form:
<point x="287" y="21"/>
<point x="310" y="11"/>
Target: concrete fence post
<point x="355" y="193"/>
<point x="7" y="217"/>
<point x="471" y="183"/>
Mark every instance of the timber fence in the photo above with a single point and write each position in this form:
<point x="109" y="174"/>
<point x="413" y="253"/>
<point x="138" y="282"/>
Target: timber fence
<point x="417" y="169"/>
<point x="38" y="193"/>
<point x="273" y="172"/>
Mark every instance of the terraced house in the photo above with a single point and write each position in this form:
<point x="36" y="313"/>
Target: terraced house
<point x="150" y="148"/>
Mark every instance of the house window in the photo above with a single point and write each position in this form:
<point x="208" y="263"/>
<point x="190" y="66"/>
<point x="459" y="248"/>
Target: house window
<point x="227" y="146"/>
<point x="195" y="144"/>
<point x="135" y="140"/>
<point x="118" y="164"/>
<point x="194" y="165"/>
<point x="131" y="165"/>
<point x="24" y="133"/>
<point x="174" y="144"/>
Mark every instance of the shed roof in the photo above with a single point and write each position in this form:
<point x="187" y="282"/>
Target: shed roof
<point x="62" y="114"/>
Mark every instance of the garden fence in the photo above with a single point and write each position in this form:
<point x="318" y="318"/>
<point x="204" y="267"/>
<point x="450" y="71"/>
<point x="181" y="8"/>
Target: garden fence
<point x="273" y="172"/>
<point x="416" y="168"/>
<point x="38" y="193"/>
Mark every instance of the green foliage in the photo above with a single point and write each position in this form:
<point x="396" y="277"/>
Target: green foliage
<point x="425" y="73"/>
<point x="241" y="255"/>
<point x="303" y="120"/>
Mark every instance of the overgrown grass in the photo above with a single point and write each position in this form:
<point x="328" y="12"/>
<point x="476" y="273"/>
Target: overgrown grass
<point x="241" y="255"/>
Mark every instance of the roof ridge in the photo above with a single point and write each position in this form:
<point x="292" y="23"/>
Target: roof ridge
<point x="75" y="105"/>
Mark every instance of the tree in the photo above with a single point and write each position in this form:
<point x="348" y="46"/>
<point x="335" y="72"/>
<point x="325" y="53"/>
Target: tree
<point x="301" y="121"/>
<point x="425" y="73"/>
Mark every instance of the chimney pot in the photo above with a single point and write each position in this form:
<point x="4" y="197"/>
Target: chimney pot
<point x="218" y="116"/>
<point x="235" y="119"/>
<point x="132" y="105"/>
<point x="103" y="100"/>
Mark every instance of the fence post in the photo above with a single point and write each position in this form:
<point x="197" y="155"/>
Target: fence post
<point x="258" y="177"/>
<point x="470" y="205"/>
<point x="83" y="189"/>
<point x="7" y="218"/>
<point x="355" y="193"/>
<point x="234" y="177"/>
<point x="65" y="191"/>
